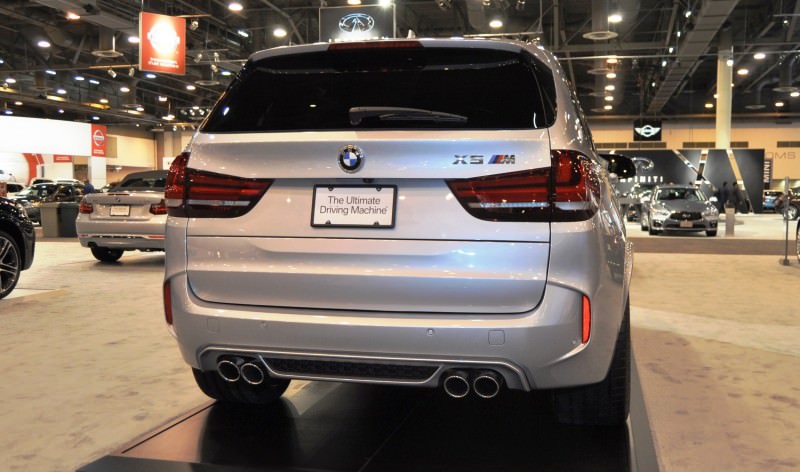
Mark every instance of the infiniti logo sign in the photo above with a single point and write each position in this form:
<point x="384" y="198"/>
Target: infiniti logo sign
<point x="356" y="23"/>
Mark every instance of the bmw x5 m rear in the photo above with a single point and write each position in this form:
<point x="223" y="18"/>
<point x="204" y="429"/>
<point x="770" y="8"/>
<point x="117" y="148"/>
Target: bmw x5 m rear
<point x="426" y="213"/>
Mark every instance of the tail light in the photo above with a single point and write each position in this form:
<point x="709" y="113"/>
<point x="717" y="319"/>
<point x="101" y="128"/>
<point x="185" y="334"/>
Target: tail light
<point x="159" y="208"/>
<point x="568" y="190"/>
<point x="193" y="193"/>
<point x="85" y="208"/>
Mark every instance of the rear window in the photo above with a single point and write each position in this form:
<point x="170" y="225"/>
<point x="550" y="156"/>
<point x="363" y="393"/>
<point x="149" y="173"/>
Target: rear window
<point x="388" y="88"/>
<point x="143" y="182"/>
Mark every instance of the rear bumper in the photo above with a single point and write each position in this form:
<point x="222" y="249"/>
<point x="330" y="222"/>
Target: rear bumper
<point x="538" y="349"/>
<point x="133" y="235"/>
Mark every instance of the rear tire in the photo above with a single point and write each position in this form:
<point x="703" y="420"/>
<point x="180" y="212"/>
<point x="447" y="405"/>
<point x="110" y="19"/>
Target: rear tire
<point x="712" y="232"/>
<point x="239" y="392"/>
<point x="652" y="231"/>
<point x="644" y="226"/>
<point x="105" y="254"/>
<point x="792" y="212"/>
<point x="10" y="264"/>
<point x="604" y="403"/>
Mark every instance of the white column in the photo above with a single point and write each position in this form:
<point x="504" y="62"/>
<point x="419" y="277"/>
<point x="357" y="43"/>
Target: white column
<point x="724" y="89"/>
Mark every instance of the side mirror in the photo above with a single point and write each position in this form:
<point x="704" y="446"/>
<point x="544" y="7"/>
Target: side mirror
<point x="620" y="165"/>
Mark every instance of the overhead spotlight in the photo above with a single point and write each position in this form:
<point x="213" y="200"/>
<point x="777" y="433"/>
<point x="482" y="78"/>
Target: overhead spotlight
<point x="10" y="80"/>
<point x="607" y="107"/>
<point x="198" y="57"/>
<point x="612" y="60"/>
<point x="671" y="49"/>
<point x="162" y="98"/>
<point x="354" y="2"/>
<point x="444" y="4"/>
<point x="42" y="43"/>
<point x="687" y="13"/>
<point x="79" y="78"/>
<point x="243" y="33"/>
<point x="131" y="71"/>
<point x="193" y="25"/>
<point x="73" y="16"/>
<point x="214" y="68"/>
<point x="216" y="56"/>
<point x="225" y="72"/>
<point x="124" y="89"/>
<point x="779" y="104"/>
<point x="709" y="105"/>
<point x="743" y="71"/>
<point x="235" y="6"/>
<point x="385" y="3"/>
<point x="496" y="23"/>
<point x="150" y="75"/>
<point x="94" y="81"/>
<point x="50" y="72"/>
<point x="794" y="94"/>
<point x="103" y="101"/>
<point x="18" y="103"/>
<point x="609" y="98"/>
<point x="729" y="62"/>
<point x="279" y="32"/>
<point x="611" y="75"/>
<point x="759" y="56"/>
<point x="191" y="87"/>
<point x="133" y="39"/>
<point x="615" y="18"/>
<point x="112" y="73"/>
<point x="610" y="87"/>
<point x="520" y="5"/>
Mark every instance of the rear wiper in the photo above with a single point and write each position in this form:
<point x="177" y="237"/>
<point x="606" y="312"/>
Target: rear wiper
<point x="357" y="114"/>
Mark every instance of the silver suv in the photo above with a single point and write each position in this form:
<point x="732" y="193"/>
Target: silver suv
<point x="425" y="213"/>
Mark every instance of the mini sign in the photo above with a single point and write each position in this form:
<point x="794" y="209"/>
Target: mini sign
<point x="647" y="130"/>
<point x="162" y="43"/>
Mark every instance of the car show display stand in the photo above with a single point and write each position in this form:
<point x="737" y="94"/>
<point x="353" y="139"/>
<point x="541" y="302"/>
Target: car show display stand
<point x="328" y="426"/>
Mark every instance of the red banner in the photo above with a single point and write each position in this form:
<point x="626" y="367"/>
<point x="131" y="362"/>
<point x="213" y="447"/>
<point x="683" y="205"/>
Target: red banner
<point x="61" y="158"/>
<point x="162" y="43"/>
<point x="99" y="140"/>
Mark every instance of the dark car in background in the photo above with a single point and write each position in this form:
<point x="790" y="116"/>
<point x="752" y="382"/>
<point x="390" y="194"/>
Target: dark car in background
<point x="791" y="198"/>
<point x="34" y="196"/>
<point x="769" y="198"/>
<point x="17" y="242"/>
<point x="634" y="198"/>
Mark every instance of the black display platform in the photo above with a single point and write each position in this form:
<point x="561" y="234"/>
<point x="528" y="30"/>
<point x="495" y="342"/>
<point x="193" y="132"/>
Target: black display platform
<point x="344" y="427"/>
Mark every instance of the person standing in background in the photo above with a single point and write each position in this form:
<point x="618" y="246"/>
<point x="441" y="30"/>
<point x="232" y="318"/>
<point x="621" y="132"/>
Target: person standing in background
<point x="88" y="187"/>
<point x="724" y="194"/>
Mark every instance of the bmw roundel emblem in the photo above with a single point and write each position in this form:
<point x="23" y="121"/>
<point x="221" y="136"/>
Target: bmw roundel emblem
<point x="351" y="158"/>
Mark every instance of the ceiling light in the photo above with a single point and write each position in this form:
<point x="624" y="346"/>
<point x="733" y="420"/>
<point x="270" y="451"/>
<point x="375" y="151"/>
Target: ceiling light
<point x="709" y="105"/>
<point x="8" y="111"/>
<point x="18" y="103"/>
<point x="496" y="23"/>
<point x="194" y="25"/>
<point x="729" y="62"/>
<point x="162" y="98"/>
<point x="96" y="118"/>
<point x="609" y="98"/>
<point x="354" y="2"/>
<point x="716" y="96"/>
<point x="94" y="81"/>
<point x="759" y="56"/>
<point x="664" y="63"/>
<point x="79" y="78"/>
<point x="198" y="57"/>
<point x="794" y="94"/>
<point x="73" y="16"/>
<point x="614" y="18"/>
<point x="742" y="71"/>
<point x="243" y="33"/>
<point x="10" y="80"/>
<point x="43" y="43"/>
<point x="279" y="32"/>
<point x="50" y="72"/>
<point x="131" y="71"/>
<point x="225" y="72"/>
<point x="150" y="75"/>
<point x="652" y="84"/>
<point x="169" y="117"/>
<point x="61" y="91"/>
<point x="133" y="39"/>
<point x="112" y="73"/>
<point x="687" y="14"/>
<point x="779" y="104"/>
<point x="191" y="87"/>
<point x="139" y="108"/>
<point x="610" y="87"/>
<point x="388" y="3"/>
<point x="611" y="75"/>
<point x="235" y="6"/>
<point x="612" y="60"/>
<point x="61" y="110"/>
<point x="124" y="89"/>
<point x="671" y="49"/>
<point x="103" y="101"/>
<point x="607" y="107"/>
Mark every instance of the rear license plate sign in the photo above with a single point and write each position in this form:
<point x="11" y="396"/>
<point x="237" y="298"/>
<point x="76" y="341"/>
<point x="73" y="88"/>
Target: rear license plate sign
<point x="120" y="210"/>
<point x="354" y="206"/>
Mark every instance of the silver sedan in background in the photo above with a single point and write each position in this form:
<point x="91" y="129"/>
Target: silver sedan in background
<point x="679" y="208"/>
<point x="131" y="216"/>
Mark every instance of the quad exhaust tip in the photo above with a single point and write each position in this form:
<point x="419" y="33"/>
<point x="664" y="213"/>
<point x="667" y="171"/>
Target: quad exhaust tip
<point x="252" y="373"/>
<point x="456" y="384"/>
<point x="487" y="384"/>
<point x="230" y="369"/>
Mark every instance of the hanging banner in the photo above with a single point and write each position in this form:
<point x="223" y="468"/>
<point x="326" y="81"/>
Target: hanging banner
<point x="99" y="140"/>
<point x="162" y="43"/>
<point x="356" y="23"/>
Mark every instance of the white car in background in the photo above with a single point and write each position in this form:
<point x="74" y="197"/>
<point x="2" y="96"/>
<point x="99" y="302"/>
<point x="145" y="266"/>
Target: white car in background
<point x="131" y="217"/>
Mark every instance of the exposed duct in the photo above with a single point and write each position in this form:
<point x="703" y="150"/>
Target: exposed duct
<point x="786" y="76"/>
<point x="600" y="31"/>
<point x="107" y="47"/>
<point x="696" y="42"/>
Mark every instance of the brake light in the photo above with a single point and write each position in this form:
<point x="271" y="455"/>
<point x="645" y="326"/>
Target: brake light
<point x="85" y="208"/>
<point x="568" y="190"/>
<point x="375" y="45"/>
<point x="168" y="302"/>
<point x="193" y="193"/>
<point x="159" y="208"/>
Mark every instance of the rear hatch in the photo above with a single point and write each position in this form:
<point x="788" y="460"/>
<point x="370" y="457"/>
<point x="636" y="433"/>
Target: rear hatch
<point x="372" y="175"/>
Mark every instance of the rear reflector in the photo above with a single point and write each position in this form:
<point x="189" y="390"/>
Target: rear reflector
<point x="199" y="194"/>
<point x="587" y="320"/>
<point x="566" y="191"/>
<point x="168" y="302"/>
<point x="86" y="208"/>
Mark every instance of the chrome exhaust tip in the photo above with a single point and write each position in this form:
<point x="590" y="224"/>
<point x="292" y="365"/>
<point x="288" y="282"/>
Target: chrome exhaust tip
<point x="252" y="373"/>
<point x="487" y="384"/>
<point x="456" y="384"/>
<point x="229" y="370"/>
